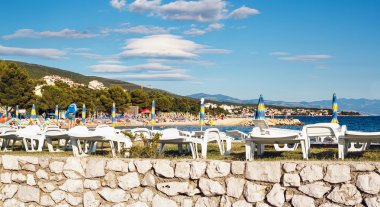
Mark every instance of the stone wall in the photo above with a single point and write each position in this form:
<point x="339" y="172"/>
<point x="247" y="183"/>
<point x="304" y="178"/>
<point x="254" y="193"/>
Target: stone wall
<point x="38" y="181"/>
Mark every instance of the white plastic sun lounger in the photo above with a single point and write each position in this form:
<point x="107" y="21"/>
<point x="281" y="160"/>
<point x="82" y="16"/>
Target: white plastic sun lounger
<point x="174" y="136"/>
<point x="89" y="139"/>
<point x="356" y="141"/>
<point x="115" y="136"/>
<point x="7" y="135"/>
<point x="139" y="132"/>
<point x="256" y="137"/>
<point x="53" y="133"/>
<point x="211" y="135"/>
<point x="31" y="134"/>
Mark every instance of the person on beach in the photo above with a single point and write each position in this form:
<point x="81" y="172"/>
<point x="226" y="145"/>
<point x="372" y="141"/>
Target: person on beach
<point x="70" y="114"/>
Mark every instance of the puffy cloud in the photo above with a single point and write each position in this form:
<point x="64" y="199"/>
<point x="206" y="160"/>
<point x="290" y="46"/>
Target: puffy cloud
<point x="306" y="58"/>
<point x="65" y="33"/>
<point x="201" y="10"/>
<point x="40" y="52"/>
<point x="164" y="46"/>
<point x="243" y="12"/>
<point x="118" y="4"/>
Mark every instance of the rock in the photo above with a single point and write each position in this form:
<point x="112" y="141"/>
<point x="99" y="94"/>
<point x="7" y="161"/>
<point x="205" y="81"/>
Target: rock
<point x="72" y="186"/>
<point x="9" y="191"/>
<point x="225" y="201"/>
<point x="46" y="201"/>
<point x="131" y="167"/>
<point x="148" y="180"/>
<point x="329" y="205"/>
<point x="316" y="190"/>
<point x="30" y="179"/>
<point x="237" y="167"/>
<point x="268" y="172"/>
<point x="241" y="203"/>
<point x="302" y="201"/>
<point x="74" y="167"/>
<point x="173" y="188"/>
<point x="276" y="195"/>
<point x="18" y="177"/>
<point x="337" y="173"/>
<point x="42" y="174"/>
<point x="10" y="162"/>
<point x="89" y="200"/>
<point x="289" y="193"/>
<point x="58" y="195"/>
<point x="186" y="203"/>
<point x="362" y="167"/>
<point x="372" y="202"/>
<point x="205" y="202"/>
<point x="117" y="165"/>
<point x="43" y="162"/>
<point x="159" y="201"/>
<point x="129" y="181"/>
<point x="6" y="177"/>
<point x="291" y="180"/>
<point x="163" y="169"/>
<point x="346" y="194"/>
<point x="146" y="195"/>
<point x="95" y="168"/>
<point x="312" y="173"/>
<point x="369" y="183"/>
<point x="46" y="187"/>
<point x="210" y="187"/>
<point x="289" y="167"/>
<point x="91" y="184"/>
<point x="235" y="187"/>
<point x="138" y="204"/>
<point x="57" y="177"/>
<point x="13" y="202"/>
<point x="72" y="200"/>
<point x="113" y="195"/>
<point x="143" y="166"/>
<point x="182" y="170"/>
<point x="262" y="204"/>
<point x="29" y="167"/>
<point x="254" y="192"/>
<point x="110" y="180"/>
<point x="56" y="167"/>
<point x="28" y="194"/>
<point x="216" y="169"/>
<point x="198" y="169"/>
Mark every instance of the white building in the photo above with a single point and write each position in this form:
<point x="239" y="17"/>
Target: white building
<point x="96" y="85"/>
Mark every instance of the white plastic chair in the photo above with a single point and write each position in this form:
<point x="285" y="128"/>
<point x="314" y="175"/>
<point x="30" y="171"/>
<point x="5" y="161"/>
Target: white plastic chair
<point x="31" y="134"/>
<point x="55" y="133"/>
<point x="356" y="141"/>
<point x="174" y="136"/>
<point x="211" y="135"/>
<point x="113" y="135"/>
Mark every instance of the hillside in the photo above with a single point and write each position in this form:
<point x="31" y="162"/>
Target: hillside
<point x="38" y="71"/>
<point x="364" y="106"/>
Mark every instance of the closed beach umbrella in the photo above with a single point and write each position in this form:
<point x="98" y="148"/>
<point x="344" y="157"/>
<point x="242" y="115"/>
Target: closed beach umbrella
<point x="260" y="112"/>
<point x="84" y="114"/>
<point x="202" y="113"/>
<point x="334" y="110"/>
<point x="113" y="114"/>
<point x="6" y="112"/>
<point x="16" y="112"/>
<point x="56" y="112"/>
<point x="33" y="114"/>
<point x="153" y="114"/>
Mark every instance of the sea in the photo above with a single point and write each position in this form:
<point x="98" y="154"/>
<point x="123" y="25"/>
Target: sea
<point x="353" y="123"/>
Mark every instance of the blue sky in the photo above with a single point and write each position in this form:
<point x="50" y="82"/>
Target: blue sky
<point x="288" y="50"/>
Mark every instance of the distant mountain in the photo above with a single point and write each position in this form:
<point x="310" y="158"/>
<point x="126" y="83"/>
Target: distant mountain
<point x="364" y="106"/>
<point x="39" y="71"/>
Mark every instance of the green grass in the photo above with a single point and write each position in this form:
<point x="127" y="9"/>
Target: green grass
<point x="318" y="153"/>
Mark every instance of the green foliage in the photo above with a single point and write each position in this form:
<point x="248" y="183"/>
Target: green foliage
<point x="216" y="111"/>
<point x="140" y="98"/>
<point x="148" y="149"/>
<point x="16" y="87"/>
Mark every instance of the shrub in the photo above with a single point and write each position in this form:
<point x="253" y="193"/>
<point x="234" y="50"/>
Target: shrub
<point x="147" y="149"/>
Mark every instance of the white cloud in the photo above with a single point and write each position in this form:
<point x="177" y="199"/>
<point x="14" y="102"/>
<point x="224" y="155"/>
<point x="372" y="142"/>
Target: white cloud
<point x="243" y="12"/>
<point x="40" y="52"/>
<point x="306" y="58"/>
<point x="215" y="26"/>
<point x="201" y="10"/>
<point x="164" y="46"/>
<point x="155" y="77"/>
<point x="118" y="4"/>
<point x="194" y="32"/>
<point x="278" y="53"/>
<point x="147" y="67"/>
<point x="140" y="29"/>
<point x="65" y="33"/>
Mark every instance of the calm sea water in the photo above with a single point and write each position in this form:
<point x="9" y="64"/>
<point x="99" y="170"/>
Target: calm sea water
<point x="357" y="123"/>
